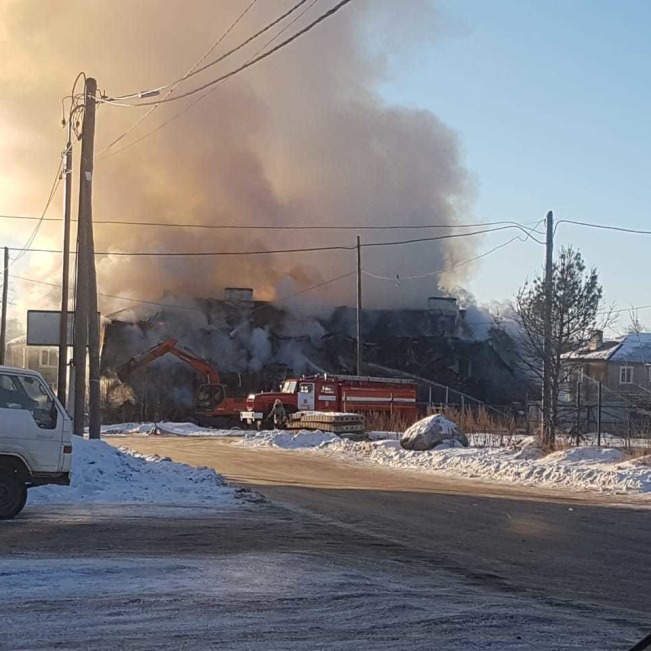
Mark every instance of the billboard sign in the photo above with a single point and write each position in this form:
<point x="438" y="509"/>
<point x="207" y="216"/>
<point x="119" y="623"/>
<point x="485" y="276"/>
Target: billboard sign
<point x="43" y="327"/>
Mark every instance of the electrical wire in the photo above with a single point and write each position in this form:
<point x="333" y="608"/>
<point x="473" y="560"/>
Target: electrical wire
<point x="398" y="278"/>
<point x="57" y="180"/>
<point x="173" y="86"/>
<point x="195" y="70"/>
<point x="284" y="29"/>
<point x="340" y="247"/>
<point x="604" y="227"/>
<point x="191" y="105"/>
<point x="333" y="227"/>
<point x="185" y="307"/>
<point x="255" y="60"/>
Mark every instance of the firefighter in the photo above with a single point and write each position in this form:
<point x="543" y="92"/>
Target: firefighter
<point x="278" y="414"/>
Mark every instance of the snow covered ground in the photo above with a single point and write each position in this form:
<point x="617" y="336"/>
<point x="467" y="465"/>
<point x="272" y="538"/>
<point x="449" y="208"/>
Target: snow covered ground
<point x="102" y="474"/>
<point x="583" y="468"/>
<point x="165" y="428"/>
<point x="279" y="601"/>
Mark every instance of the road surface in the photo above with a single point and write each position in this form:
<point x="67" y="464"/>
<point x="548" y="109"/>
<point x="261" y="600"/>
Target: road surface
<point x="340" y="556"/>
<point x="579" y="548"/>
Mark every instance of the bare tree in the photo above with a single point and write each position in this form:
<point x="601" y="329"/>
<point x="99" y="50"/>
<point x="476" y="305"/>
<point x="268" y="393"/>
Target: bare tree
<point x="577" y="296"/>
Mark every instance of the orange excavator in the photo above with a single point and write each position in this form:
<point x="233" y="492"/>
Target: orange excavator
<point x="212" y="405"/>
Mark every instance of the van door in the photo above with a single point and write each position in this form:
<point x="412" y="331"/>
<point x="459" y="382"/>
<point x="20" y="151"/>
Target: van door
<point x="306" y="396"/>
<point x="30" y="424"/>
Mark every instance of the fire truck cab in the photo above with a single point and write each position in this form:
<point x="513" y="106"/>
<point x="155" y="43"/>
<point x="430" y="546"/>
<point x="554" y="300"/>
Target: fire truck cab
<point x="335" y="393"/>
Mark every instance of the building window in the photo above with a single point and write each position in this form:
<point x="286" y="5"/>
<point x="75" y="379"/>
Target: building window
<point x="48" y="359"/>
<point x="626" y="375"/>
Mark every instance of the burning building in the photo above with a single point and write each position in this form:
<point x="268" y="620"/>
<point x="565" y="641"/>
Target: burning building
<point x="257" y="344"/>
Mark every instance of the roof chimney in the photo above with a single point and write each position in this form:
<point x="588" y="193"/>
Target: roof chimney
<point x="442" y="304"/>
<point x="238" y="294"/>
<point x="596" y="341"/>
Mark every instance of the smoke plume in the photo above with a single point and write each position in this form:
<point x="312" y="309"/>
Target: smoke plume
<point x="303" y="138"/>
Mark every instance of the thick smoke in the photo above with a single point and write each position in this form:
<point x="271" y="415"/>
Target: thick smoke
<point x="301" y="139"/>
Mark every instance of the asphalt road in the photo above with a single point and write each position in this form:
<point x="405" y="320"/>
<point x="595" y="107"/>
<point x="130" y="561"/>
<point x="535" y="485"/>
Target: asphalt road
<point x="576" y="549"/>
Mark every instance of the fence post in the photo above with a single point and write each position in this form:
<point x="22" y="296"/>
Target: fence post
<point x="599" y="415"/>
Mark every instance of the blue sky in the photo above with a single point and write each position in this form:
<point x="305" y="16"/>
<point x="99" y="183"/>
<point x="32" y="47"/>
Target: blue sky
<point x="551" y="101"/>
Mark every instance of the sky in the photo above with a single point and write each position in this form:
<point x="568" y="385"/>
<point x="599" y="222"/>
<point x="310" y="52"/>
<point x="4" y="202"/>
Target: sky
<point x="551" y="103"/>
<point x="548" y="101"/>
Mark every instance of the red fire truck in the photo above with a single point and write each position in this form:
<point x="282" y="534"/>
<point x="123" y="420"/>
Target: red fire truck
<point x="335" y="393"/>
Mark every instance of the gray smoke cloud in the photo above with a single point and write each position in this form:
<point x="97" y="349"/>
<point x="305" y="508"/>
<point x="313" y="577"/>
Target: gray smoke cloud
<point x="303" y="138"/>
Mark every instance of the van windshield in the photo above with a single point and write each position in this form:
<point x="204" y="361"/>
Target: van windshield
<point x="26" y="392"/>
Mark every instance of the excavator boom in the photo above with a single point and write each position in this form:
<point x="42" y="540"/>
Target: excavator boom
<point x="163" y="348"/>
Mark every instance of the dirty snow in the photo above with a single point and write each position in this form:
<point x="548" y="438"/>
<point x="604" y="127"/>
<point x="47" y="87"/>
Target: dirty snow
<point x="102" y="474"/>
<point x="583" y="468"/>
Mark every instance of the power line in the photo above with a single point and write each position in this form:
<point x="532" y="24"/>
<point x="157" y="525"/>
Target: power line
<point x="184" y="307"/>
<point x="253" y="61"/>
<point x="174" y="85"/>
<point x="604" y="227"/>
<point x="41" y="219"/>
<point x="298" y="227"/>
<point x="195" y="70"/>
<point x="340" y="247"/>
<point x="398" y="278"/>
<point x="284" y="29"/>
<point x="212" y="90"/>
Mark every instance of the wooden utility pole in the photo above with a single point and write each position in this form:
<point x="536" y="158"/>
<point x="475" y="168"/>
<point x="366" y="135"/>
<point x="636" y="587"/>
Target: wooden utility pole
<point x="359" y="307"/>
<point x="547" y="425"/>
<point x="62" y="377"/>
<point x="86" y="326"/>
<point x="3" y="321"/>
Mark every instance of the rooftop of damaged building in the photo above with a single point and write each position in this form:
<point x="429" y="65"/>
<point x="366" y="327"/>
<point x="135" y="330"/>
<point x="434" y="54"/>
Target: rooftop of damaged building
<point x="207" y="323"/>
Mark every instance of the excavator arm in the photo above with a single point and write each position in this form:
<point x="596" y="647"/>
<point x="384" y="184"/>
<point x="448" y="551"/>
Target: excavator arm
<point x="170" y="346"/>
<point x="198" y="364"/>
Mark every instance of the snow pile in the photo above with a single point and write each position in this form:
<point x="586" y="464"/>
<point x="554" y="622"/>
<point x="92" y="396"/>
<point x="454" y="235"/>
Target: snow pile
<point x="431" y="431"/>
<point x="165" y="428"/>
<point x="102" y="474"/>
<point x="583" y="468"/>
<point x="301" y="440"/>
<point x="128" y="429"/>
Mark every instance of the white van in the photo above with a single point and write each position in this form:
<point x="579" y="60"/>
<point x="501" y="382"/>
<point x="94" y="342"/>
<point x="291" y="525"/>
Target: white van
<point x="35" y="438"/>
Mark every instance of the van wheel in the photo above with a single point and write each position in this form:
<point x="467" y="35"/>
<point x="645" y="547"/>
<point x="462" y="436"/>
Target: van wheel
<point x="13" y="495"/>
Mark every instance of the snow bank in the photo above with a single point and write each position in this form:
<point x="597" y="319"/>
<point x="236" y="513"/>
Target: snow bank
<point x="587" y="468"/>
<point x="102" y="474"/>
<point x="301" y="440"/>
<point x="165" y="428"/>
<point x="127" y="429"/>
<point x="582" y="468"/>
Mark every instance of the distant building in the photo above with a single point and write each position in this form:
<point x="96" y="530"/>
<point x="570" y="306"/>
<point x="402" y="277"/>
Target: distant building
<point x="44" y="359"/>
<point x="622" y="366"/>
